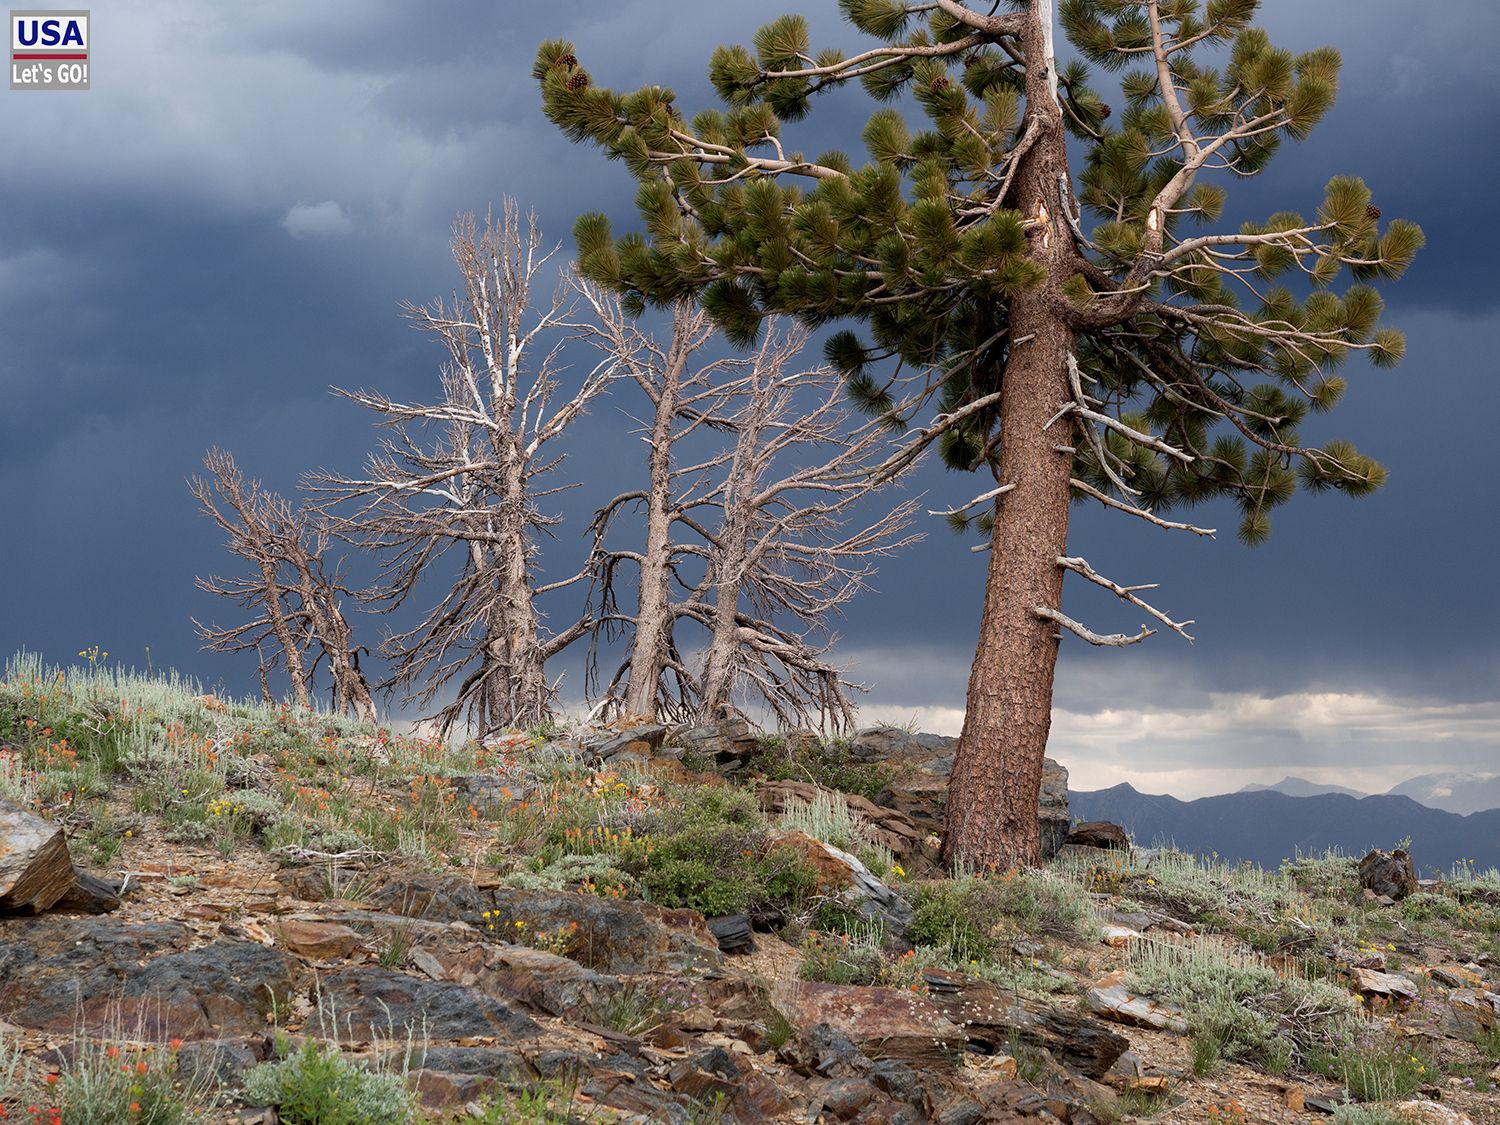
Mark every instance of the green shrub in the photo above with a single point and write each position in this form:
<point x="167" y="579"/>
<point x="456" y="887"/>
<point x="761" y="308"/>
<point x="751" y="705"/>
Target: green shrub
<point x="971" y="917"/>
<point x="1422" y="907"/>
<point x="1331" y="875"/>
<point x="104" y="1085"/>
<point x="700" y="885"/>
<point x="318" y="1086"/>
<point x="1373" y="1066"/>
<point x="1240" y="1002"/>
<point x="828" y="763"/>
<point x="709" y="850"/>
<point x="842" y="958"/>
<point x="946" y="920"/>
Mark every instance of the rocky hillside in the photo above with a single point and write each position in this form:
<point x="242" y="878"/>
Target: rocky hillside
<point x="212" y="912"/>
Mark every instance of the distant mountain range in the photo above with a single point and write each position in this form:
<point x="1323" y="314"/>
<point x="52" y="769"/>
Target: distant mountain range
<point x="1461" y="793"/>
<point x="1266" y="826"/>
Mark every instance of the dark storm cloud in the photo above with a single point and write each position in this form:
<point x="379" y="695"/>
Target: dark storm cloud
<point x="193" y="251"/>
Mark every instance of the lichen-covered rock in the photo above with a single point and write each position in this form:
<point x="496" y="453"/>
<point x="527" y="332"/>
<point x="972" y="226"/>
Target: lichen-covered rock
<point x="318" y="940"/>
<point x="1388" y="986"/>
<point x="1471" y="1013"/>
<point x="1388" y="873"/>
<point x="422" y="894"/>
<point x="1111" y="1000"/>
<point x="614" y="936"/>
<point x="727" y="744"/>
<point x="387" y="1004"/>
<point x="995" y="1021"/>
<point x="1099" y="834"/>
<point x="544" y="981"/>
<point x="106" y="976"/>
<point x="882" y="1022"/>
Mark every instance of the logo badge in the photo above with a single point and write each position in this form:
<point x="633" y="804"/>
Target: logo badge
<point x="49" y="50"/>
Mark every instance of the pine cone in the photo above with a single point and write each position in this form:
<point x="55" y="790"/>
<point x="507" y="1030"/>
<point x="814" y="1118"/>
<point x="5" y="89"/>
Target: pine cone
<point x="1104" y="112"/>
<point x="939" y="84"/>
<point x="579" y="81"/>
<point x="971" y="60"/>
<point x="1372" y="212"/>
<point x="566" y="60"/>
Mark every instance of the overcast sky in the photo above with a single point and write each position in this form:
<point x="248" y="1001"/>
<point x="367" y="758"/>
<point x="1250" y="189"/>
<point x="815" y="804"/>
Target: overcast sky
<point x="193" y="251"/>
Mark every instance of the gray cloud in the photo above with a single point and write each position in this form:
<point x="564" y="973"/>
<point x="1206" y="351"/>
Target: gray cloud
<point x="316" y="220"/>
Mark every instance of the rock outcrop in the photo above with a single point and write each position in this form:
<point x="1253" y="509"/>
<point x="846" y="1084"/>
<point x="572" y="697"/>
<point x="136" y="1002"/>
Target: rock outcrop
<point x="923" y="763"/>
<point x="36" y="871"/>
<point x="1388" y="874"/>
<point x="148" y="979"/>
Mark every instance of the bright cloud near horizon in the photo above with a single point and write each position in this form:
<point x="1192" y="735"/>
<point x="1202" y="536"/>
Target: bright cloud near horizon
<point x="193" y="251"/>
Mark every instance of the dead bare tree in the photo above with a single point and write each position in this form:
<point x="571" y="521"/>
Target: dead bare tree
<point x="294" y="594"/>
<point x="784" y="559"/>
<point x="686" y="394"/>
<point x="462" y="477"/>
<point x="765" y="515"/>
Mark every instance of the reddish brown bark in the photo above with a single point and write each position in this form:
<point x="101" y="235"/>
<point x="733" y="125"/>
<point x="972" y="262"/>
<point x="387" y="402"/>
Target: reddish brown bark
<point x="997" y="770"/>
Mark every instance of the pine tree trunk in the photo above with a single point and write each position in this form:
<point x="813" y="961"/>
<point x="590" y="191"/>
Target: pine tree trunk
<point x="997" y="770"/>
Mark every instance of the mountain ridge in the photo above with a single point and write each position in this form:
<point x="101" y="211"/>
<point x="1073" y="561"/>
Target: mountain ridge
<point x="1266" y="827"/>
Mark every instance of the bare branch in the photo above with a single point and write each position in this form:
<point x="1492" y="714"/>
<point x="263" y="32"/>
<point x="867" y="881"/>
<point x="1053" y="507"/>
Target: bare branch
<point x="1083" y="632"/>
<point x="974" y="503"/>
<point x="1081" y="566"/>
<point x="1141" y="513"/>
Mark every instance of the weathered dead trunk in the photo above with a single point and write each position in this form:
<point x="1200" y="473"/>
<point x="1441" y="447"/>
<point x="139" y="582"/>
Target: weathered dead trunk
<point x="290" y="652"/>
<point x="732" y="552"/>
<point x="653" y="621"/>
<point x="997" y="770"/>
<point x="320" y="598"/>
<point x="525" y="702"/>
<point x="724" y="640"/>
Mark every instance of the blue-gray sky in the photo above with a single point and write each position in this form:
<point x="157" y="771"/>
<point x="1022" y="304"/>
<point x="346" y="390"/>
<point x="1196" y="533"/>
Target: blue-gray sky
<point x="193" y="251"/>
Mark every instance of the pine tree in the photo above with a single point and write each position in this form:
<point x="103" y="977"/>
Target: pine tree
<point x="1133" y="362"/>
